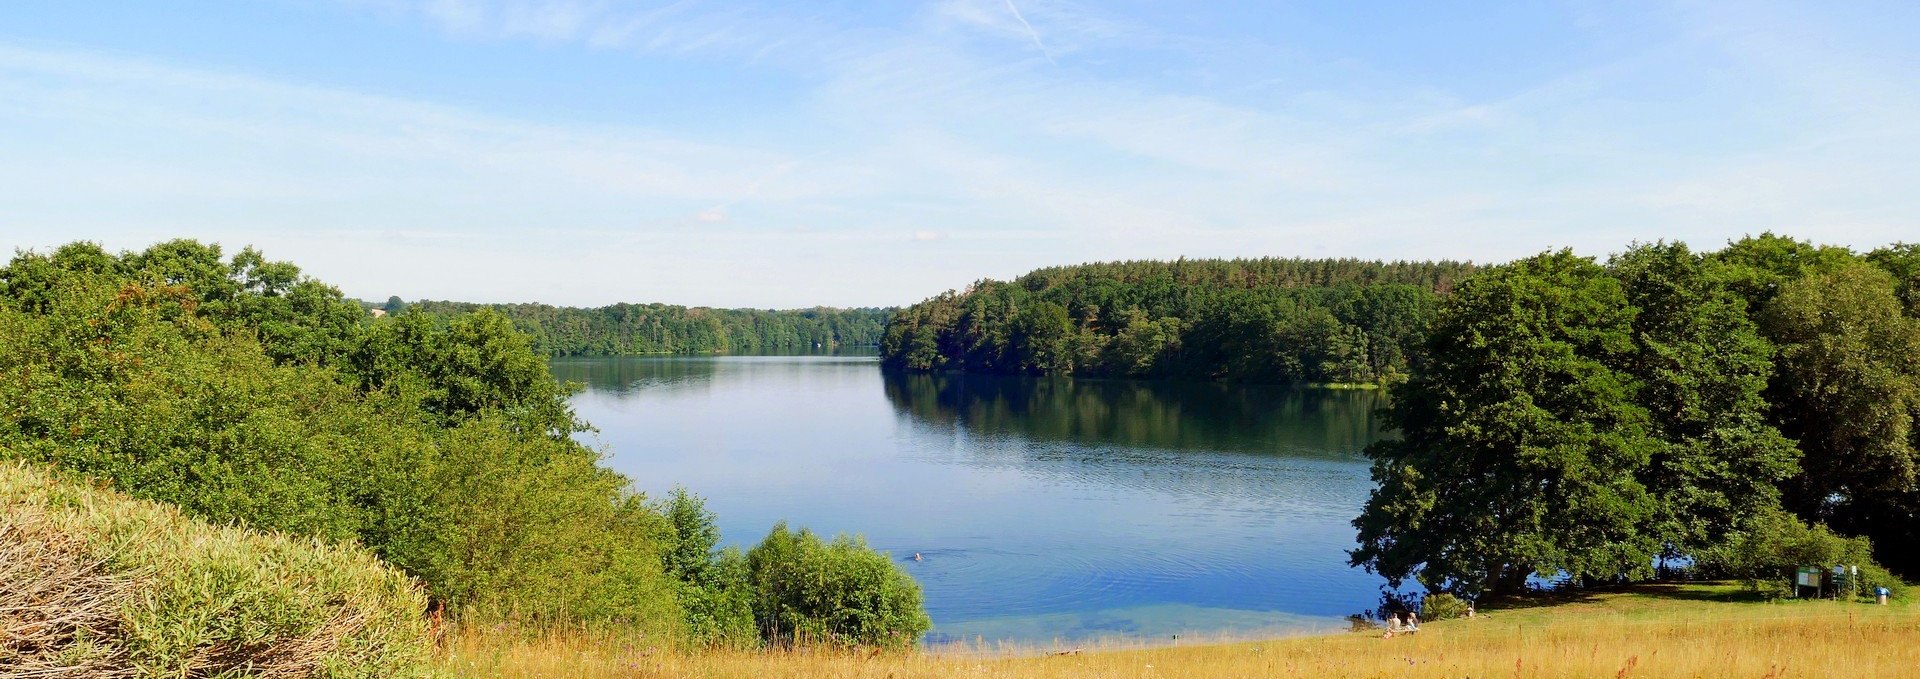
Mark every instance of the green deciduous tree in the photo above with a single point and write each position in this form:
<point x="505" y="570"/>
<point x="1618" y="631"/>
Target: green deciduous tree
<point x="1849" y="392"/>
<point x="1903" y="261"/>
<point x="1702" y="368"/>
<point x="1521" y="441"/>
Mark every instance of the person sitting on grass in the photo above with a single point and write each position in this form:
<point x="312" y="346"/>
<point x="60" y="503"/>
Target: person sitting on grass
<point x="1413" y="621"/>
<point x="1393" y="625"/>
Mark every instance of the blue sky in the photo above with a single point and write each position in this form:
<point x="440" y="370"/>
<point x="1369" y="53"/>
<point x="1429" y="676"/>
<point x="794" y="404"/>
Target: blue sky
<point x="790" y="154"/>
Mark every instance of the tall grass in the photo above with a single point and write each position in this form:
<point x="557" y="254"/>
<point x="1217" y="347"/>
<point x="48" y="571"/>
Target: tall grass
<point x="95" y="584"/>
<point x="1651" y="632"/>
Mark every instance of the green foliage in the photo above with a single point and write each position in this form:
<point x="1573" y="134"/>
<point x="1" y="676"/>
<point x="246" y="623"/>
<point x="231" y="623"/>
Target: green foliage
<point x="1701" y="366"/>
<point x="442" y="447"/>
<point x="245" y="394"/>
<point x="1849" y="390"/>
<point x="715" y="600"/>
<point x="1521" y="439"/>
<point x="468" y="365"/>
<point x="1902" y="260"/>
<point x="807" y="590"/>
<point x="1442" y="606"/>
<point x="1263" y="320"/>
<point x="1773" y="544"/>
<point x="1761" y="264"/>
<point x="1568" y="420"/>
<point x="136" y="586"/>
<point x="695" y="536"/>
<point x="527" y="527"/>
<point x="623" y="329"/>
<point x="1846" y="387"/>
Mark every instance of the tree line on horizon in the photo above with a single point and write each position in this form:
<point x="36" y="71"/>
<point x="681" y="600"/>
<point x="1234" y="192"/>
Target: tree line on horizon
<point x="638" y="329"/>
<point x="1268" y="320"/>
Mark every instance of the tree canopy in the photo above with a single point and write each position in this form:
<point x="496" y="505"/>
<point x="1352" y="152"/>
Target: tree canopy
<point x="1245" y="320"/>
<point x="1569" y="419"/>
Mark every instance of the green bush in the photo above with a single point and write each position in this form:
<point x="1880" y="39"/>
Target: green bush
<point x="1772" y="545"/>
<point x="1442" y="606"/>
<point x="715" y="601"/>
<point x="843" y="593"/>
<point x="526" y="528"/>
<point x="140" y="590"/>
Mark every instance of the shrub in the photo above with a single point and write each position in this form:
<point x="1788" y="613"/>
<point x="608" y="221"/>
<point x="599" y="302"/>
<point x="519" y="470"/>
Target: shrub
<point x="715" y="602"/>
<point x="101" y="585"/>
<point x="528" y="528"/>
<point x="1766" y="552"/>
<point x="1442" y="606"/>
<point x="718" y="615"/>
<point x="807" y="590"/>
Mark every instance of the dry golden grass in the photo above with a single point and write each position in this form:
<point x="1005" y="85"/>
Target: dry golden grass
<point x="1656" y="631"/>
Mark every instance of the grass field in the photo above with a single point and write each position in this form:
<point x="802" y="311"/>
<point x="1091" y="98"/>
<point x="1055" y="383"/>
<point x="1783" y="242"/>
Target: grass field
<point x="1691" y="631"/>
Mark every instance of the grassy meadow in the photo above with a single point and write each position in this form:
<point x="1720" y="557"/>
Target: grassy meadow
<point x="1693" y="630"/>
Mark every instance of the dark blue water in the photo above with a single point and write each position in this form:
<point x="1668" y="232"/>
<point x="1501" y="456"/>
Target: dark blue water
<point x="1042" y="508"/>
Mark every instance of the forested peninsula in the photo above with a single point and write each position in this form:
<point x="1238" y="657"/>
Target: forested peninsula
<point x="636" y="329"/>
<point x="1246" y="320"/>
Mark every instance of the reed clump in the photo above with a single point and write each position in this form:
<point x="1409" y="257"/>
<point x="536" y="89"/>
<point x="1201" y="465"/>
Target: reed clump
<point x="101" y="585"/>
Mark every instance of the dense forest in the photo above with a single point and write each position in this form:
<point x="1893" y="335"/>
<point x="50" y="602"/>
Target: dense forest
<point x="247" y="394"/>
<point x="632" y="329"/>
<point x="1739" y="412"/>
<point x="1246" y="320"/>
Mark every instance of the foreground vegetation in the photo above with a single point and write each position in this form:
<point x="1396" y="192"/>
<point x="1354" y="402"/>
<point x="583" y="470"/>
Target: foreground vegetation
<point x="638" y="329"/>
<point x="245" y="394"/>
<point x="100" y="585"/>
<point x="1695" y="631"/>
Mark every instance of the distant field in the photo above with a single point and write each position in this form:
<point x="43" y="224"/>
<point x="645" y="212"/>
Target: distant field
<point x="1697" y="630"/>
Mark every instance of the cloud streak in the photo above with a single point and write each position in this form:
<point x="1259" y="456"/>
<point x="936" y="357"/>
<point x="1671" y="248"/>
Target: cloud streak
<point x="1035" y="35"/>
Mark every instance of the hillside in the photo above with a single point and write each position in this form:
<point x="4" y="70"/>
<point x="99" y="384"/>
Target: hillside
<point x="98" y="584"/>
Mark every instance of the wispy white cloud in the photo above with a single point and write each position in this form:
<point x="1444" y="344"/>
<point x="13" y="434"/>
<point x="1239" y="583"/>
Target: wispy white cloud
<point x="937" y="124"/>
<point x="1035" y="35"/>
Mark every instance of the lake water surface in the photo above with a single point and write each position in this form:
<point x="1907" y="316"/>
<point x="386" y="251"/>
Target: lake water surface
<point x="1042" y="508"/>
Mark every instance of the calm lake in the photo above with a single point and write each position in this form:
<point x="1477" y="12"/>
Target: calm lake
<point x="1042" y="508"/>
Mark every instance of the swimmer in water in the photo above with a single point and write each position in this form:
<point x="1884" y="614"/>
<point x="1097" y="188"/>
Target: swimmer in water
<point x="916" y="556"/>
